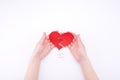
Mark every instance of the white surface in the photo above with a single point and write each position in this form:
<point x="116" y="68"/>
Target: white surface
<point x="23" y="22"/>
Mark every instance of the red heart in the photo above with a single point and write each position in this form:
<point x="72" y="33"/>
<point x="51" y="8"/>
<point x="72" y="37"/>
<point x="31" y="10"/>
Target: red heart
<point x="61" y="40"/>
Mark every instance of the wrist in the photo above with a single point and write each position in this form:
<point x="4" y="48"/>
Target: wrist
<point x="83" y="59"/>
<point x="36" y="57"/>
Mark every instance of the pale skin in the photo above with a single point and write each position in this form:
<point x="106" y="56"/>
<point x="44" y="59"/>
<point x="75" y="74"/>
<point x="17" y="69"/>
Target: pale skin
<point x="43" y="48"/>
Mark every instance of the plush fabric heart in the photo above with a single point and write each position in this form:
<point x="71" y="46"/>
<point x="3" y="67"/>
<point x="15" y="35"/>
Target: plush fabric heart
<point x="61" y="40"/>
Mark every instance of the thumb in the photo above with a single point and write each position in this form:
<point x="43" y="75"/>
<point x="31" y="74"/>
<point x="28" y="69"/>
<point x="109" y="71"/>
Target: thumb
<point x="42" y="38"/>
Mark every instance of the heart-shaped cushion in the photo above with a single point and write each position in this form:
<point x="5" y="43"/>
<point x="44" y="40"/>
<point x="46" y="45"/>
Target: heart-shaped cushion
<point x="61" y="40"/>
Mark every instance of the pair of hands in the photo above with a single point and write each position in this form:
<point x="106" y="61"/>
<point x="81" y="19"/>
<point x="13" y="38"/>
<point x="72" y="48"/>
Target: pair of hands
<point x="44" y="46"/>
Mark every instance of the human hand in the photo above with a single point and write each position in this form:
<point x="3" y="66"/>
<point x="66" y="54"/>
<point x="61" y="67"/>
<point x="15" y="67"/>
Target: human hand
<point x="77" y="49"/>
<point x="43" y="47"/>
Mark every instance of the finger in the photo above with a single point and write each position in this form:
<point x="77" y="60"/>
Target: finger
<point x="47" y="37"/>
<point x="73" y="40"/>
<point x="75" y="37"/>
<point x="69" y="46"/>
<point x="79" y="39"/>
<point x="51" y="44"/>
<point x="42" y="38"/>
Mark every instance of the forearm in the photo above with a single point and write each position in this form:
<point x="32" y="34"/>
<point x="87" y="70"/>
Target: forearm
<point x="88" y="70"/>
<point x="33" y="69"/>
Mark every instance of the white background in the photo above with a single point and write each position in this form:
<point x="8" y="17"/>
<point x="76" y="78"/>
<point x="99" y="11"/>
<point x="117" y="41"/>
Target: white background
<point x="23" y="22"/>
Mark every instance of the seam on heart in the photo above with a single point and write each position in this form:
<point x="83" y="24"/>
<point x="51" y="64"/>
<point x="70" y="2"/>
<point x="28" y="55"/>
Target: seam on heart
<point x="60" y="44"/>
